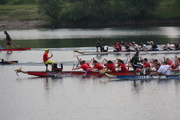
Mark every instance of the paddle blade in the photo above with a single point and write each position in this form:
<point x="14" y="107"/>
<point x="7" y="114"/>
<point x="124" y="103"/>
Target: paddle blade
<point x="110" y="75"/>
<point x="78" y="51"/>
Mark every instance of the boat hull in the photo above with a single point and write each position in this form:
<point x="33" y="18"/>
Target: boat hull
<point x="74" y="73"/>
<point x="8" y="62"/>
<point x="145" y="77"/>
<point x="130" y="52"/>
<point x="15" y="49"/>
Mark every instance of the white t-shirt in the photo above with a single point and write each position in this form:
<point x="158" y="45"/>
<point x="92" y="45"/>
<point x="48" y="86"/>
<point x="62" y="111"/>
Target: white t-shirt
<point x="164" y="70"/>
<point x="135" y="46"/>
<point x="144" y="47"/>
<point x="105" y="47"/>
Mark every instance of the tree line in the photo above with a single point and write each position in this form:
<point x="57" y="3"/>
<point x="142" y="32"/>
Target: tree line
<point x="66" y="12"/>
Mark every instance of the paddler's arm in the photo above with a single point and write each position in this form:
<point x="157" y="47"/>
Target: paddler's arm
<point x="76" y="68"/>
<point x="155" y="73"/>
<point x="50" y="57"/>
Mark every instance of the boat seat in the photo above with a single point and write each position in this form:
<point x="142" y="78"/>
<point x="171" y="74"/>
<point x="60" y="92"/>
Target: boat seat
<point x="58" y="67"/>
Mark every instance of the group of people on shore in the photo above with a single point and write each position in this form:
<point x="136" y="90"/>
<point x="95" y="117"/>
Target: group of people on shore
<point x="134" y="46"/>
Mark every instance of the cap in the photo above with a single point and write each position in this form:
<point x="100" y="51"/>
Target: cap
<point x="117" y="42"/>
<point x="46" y="50"/>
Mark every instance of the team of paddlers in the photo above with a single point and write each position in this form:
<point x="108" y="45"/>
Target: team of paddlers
<point x="139" y="65"/>
<point x="135" y="47"/>
<point x="136" y="62"/>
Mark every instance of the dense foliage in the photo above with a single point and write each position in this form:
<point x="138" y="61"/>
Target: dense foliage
<point x="17" y="2"/>
<point x="100" y="12"/>
<point x="96" y="11"/>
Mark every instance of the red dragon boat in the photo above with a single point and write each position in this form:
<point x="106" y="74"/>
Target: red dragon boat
<point x="15" y="49"/>
<point x="113" y="76"/>
<point x="70" y="73"/>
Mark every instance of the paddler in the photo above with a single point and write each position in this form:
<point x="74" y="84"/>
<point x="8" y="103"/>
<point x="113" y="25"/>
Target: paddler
<point x="97" y="66"/>
<point x="8" y="40"/>
<point x="83" y="66"/>
<point x="110" y="66"/>
<point x="163" y="69"/>
<point x="46" y="59"/>
<point x="121" y="66"/>
<point x="117" y="47"/>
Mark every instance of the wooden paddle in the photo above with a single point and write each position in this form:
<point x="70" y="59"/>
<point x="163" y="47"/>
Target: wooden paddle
<point x="19" y="46"/>
<point x="7" y="61"/>
<point x="73" y="68"/>
<point x="108" y="75"/>
<point x="78" y="51"/>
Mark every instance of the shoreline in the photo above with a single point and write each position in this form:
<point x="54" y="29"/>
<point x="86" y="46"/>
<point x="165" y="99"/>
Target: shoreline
<point x="32" y="24"/>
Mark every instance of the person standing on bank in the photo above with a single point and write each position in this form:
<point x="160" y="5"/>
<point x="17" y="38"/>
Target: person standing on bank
<point x="99" y="44"/>
<point x="8" y="40"/>
<point x="46" y="59"/>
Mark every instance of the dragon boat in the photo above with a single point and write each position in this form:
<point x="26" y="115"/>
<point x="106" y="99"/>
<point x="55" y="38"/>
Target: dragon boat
<point x="3" y="62"/>
<point x="114" y="76"/>
<point x="127" y="53"/>
<point x="15" y="49"/>
<point x="69" y="73"/>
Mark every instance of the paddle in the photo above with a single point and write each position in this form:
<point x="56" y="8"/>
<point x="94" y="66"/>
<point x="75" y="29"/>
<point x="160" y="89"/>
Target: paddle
<point x="102" y="62"/>
<point x="73" y="67"/>
<point x="85" y="73"/>
<point x="108" y="75"/>
<point x="78" y="51"/>
<point x="18" y="46"/>
<point x="7" y="61"/>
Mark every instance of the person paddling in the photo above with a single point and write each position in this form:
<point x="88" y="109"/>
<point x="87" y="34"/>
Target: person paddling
<point x="96" y="66"/>
<point x="163" y="69"/>
<point x="121" y="66"/>
<point x="110" y="65"/>
<point x="46" y="59"/>
<point x="83" y="66"/>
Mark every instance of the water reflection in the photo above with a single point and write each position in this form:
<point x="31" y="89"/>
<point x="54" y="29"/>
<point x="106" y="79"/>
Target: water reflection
<point x="60" y="38"/>
<point x="171" y="32"/>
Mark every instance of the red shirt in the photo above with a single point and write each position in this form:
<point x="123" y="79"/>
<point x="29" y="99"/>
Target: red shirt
<point x="85" y="67"/>
<point x="98" y="66"/>
<point x="147" y="64"/>
<point x="87" y="63"/>
<point x="117" y="47"/>
<point x="123" y="67"/>
<point x="45" y="57"/>
<point x="110" y="67"/>
<point x="172" y="64"/>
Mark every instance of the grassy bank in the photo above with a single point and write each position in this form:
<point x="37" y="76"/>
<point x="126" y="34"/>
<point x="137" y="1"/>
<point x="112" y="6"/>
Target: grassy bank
<point x="19" y="12"/>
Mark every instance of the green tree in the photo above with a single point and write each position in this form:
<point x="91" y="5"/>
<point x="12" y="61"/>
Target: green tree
<point x="2" y="2"/>
<point x="53" y="9"/>
<point x="138" y="9"/>
<point x="89" y="11"/>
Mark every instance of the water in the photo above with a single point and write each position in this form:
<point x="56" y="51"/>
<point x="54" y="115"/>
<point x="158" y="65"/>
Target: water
<point x="42" y="38"/>
<point x="26" y="97"/>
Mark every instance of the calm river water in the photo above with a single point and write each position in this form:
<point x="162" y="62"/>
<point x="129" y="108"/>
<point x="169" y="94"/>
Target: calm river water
<point x="25" y="97"/>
